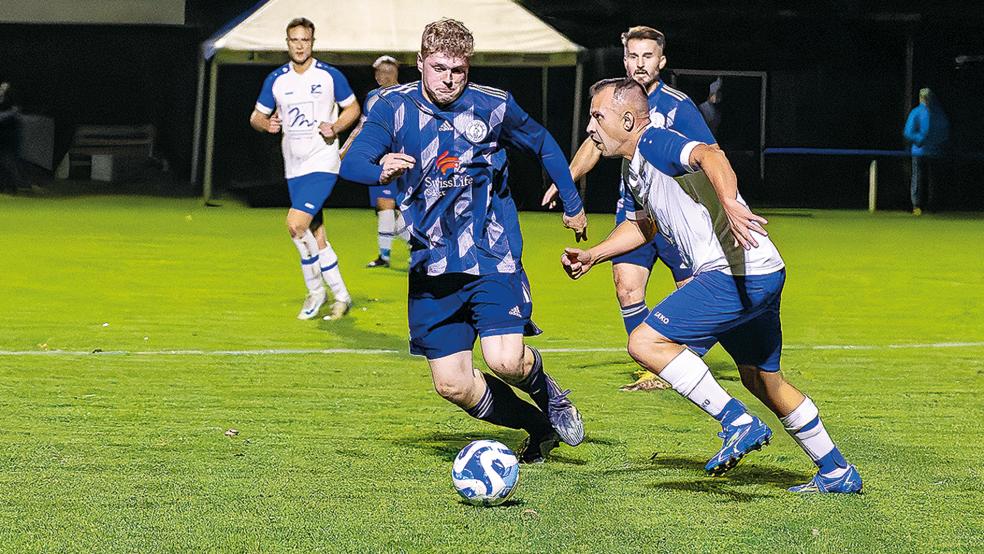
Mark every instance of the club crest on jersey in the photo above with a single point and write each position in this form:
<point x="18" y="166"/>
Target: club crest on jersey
<point x="316" y="89"/>
<point x="476" y="130"/>
<point x="446" y="163"/>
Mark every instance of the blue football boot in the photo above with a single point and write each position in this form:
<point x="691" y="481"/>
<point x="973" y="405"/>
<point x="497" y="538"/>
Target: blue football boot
<point x="738" y="441"/>
<point x="563" y="416"/>
<point x="848" y="483"/>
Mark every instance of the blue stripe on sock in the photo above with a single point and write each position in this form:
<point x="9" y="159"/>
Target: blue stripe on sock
<point x="384" y="253"/>
<point x="332" y="266"/>
<point x="308" y="261"/>
<point x="813" y="423"/>
<point x="634" y="315"/>
<point x="831" y="461"/>
<point x="382" y="234"/>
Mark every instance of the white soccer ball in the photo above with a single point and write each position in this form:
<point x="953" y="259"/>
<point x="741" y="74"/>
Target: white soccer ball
<point x="485" y="473"/>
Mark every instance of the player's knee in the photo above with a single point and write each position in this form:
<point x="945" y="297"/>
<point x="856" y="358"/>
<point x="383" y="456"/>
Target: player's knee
<point x="650" y="349"/>
<point x="750" y="377"/>
<point x="509" y="367"/>
<point x="641" y="348"/>
<point x="454" y="392"/>
<point x="758" y="380"/>
<point x="296" y="228"/>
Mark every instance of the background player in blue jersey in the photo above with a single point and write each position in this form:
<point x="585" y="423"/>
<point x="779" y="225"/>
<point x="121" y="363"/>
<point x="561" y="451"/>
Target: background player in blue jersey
<point x="643" y="49"/>
<point x="441" y="141"/>
<point x="389" y="221"/>
<point x="735" y="293"/>
<point x="301" y="99"/>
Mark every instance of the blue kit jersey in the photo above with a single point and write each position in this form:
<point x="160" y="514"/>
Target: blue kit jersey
<point x="456" y="198"/>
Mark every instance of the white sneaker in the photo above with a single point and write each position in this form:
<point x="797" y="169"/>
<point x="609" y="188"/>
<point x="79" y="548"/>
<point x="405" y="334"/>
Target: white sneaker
<point x="312" y="304"/>
<point x="338" y="309"/>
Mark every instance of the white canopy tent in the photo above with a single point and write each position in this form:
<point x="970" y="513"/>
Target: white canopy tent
<point x="348" y="33"/>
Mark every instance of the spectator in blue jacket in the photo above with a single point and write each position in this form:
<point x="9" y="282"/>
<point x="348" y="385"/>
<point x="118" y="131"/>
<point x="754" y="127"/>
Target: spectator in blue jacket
<point x="928" y="129"/>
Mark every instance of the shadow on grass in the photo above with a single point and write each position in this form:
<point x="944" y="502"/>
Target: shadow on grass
<point x="507" y="504"/>
<point x="745" y="474"/>
<point x="720" y="488"/>
<point x="447" y="445"/>
<point x="347" y="329"/>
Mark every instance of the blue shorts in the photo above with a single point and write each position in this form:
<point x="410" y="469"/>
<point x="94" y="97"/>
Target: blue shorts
<point x="660" y="248"/>
<point x="447" y="312"/>
<point x="308" y="193"/>
<point x="742" y="313"/>
<point x="381" y="191"/>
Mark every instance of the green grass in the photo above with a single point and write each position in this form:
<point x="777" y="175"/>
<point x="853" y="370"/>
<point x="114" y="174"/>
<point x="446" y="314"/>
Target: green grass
<point x="127" y="452"/>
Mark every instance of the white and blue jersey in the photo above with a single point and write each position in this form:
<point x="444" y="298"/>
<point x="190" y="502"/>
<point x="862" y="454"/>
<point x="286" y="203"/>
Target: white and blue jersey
<point x="735" y="294"/>
<point x="671" y="109"/>
<point x="303" y="101"/>
<point x="456" y="199"/>
<point x="687" y="211"/>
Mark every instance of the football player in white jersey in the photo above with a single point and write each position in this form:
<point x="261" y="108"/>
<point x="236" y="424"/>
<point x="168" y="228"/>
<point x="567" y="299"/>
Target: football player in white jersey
<point x="733" y="298"/>
<point x="301" y="99"/>
<point x="643" y="50"/>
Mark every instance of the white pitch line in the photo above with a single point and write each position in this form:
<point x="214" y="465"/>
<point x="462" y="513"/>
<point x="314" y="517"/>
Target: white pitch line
<point x="380" y="351"/>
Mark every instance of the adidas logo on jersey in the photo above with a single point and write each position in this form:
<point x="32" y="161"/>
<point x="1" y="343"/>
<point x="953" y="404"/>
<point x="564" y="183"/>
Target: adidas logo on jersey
<point x="446" y="126"/>
<point x="515" y="312"/>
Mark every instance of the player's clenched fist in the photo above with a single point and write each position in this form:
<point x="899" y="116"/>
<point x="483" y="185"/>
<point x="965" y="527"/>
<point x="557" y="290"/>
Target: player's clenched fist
<point x="576" y="262"/>
<point x="327" y="131"/>
<point x="273" y="125"/>
<point x="394" y="164"/>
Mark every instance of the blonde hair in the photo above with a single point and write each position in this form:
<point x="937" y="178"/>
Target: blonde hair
<point x="447" y="36"/>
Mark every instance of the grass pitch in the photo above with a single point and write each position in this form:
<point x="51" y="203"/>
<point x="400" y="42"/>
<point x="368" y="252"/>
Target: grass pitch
<point x="125" y="449"/>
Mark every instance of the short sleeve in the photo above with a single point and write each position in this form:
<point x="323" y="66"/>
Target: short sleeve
<point x="266" y="103"/>
<point x="343" y="92"/>
<point x="667" y="150"/>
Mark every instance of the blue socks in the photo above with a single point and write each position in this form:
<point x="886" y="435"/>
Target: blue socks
<point x="633" y="315"/>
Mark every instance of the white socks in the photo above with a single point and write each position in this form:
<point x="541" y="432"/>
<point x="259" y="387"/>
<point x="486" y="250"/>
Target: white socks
<point x="308" y="248"/>
<point x="320" y="267"/>
<point x="690" y="376"/>
<point x="386" y="226"/>
<point x="331" y="274"/>
<point x="804" y="425"/>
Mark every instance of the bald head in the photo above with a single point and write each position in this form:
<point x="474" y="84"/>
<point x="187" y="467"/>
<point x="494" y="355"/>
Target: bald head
<point x="619" y="114"/>
<point x="626" y="95"/>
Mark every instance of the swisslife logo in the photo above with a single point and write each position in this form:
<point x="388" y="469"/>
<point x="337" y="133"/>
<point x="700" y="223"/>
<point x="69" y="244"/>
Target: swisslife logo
<point x="448" y="179"/>
<point x="446" y="163"/>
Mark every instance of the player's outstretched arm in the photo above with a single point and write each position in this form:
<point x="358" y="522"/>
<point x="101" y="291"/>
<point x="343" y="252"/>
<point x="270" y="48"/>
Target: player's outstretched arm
<point x="628" y="236"/>
<point x="716" y="166"/>
<point x="521" y="131"/>
<point x="584" y="160"/>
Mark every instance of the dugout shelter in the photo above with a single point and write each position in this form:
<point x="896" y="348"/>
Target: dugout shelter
<point x="355" y="33"/>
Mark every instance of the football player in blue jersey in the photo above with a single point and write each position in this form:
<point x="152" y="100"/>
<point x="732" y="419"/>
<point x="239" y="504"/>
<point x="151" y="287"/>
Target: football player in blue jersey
<point x="733" y="298"/>
<point x="389" y="221"/>
<point x="301" y="100"/>
<point x="441" y="142"/>
<point x="643" y="49"/>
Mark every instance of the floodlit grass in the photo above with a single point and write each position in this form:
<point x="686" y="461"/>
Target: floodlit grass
<point x="125" y="450"/>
